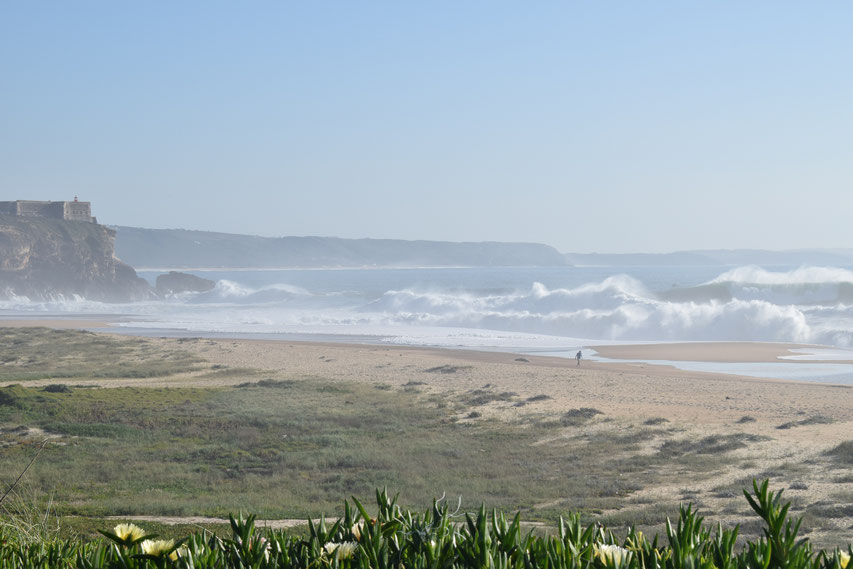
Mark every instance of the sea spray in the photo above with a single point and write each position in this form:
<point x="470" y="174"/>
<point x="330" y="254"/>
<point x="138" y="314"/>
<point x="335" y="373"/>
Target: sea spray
<point x="801" y="304"/>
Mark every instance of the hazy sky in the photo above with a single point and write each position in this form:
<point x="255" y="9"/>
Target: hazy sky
<point x="590" y="126"/>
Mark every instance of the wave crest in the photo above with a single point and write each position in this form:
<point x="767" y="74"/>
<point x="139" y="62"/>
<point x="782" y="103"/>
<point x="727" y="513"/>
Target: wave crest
<point x="602" y="311"/>
<point x="808" y="304"/>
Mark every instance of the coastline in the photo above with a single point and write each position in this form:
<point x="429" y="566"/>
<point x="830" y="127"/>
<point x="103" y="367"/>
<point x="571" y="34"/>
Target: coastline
<point x="662" y="357"/>
<point x="633" y="390"/>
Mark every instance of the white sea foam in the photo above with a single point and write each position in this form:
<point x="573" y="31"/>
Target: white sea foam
<point x="482" y="307"/>
<point x="230" y="291"/>
<point x="615" y="309"/>
<point x="752" y="274"/>
<point x="820" y="354"/>
<point x="57" y="303"/>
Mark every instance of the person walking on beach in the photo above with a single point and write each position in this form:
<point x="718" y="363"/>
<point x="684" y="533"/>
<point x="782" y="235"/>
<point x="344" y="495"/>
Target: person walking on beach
<point x="578" y="357"/>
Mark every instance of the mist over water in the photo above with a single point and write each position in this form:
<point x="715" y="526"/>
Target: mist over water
<point x="505" y="307"/>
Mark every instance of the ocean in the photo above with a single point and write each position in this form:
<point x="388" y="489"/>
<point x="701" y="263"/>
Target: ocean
<point x="524" y="309"/>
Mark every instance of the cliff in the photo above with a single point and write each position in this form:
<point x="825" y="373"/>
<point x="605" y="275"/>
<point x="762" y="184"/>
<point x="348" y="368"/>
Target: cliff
<point x="179" y="248"/>
<point x="45" y="258"/>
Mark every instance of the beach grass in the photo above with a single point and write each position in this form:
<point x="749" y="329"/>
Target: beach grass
<point x="279" y="449"/>
<point x="45" y="353"/>
<point x="290" y="449"/>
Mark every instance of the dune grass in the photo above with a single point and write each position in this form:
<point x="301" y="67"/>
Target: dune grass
<point x="282" y="449"/>
<point x="44" y="353"/>
<point x="290" y="449"/>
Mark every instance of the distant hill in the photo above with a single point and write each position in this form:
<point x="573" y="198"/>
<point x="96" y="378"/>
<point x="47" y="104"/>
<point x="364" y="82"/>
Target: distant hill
<point x="718" y="257"/>
<point x="181" y="249"/>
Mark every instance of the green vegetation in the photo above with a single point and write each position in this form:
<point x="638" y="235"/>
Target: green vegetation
<point x="577" y="417"/>
<point x="439" y="538"/>
<point x="843" y="453"/>
<point x="816" y="420"/>
<point x="714" y="444"/>
<point x="289" y="447"/>
<point x="43" y="353"/>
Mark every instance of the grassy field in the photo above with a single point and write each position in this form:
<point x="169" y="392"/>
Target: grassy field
<point x="39" y="353"/>
<point x="287" y="448"/>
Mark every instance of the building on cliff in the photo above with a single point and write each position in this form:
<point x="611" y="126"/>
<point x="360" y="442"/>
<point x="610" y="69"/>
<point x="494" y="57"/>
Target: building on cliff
<point x="72" y="211"/>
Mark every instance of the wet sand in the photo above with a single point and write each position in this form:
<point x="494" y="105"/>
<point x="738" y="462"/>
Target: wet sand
<point x="718" y="352"/>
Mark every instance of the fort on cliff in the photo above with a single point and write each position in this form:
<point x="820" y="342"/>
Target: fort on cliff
<point x="73" y="211"/>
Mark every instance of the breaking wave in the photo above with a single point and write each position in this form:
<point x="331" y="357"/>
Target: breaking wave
<point x="230" y="291"/>
<point x="615" y="309"/>
<point x="806" y="304"/>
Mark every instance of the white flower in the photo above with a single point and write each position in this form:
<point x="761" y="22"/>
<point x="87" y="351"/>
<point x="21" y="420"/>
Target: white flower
<point x="341" y="551"/>
<point x="612" y="554"/>
<point x="265" y="545"/>
<point x="157" y="547"/>
<point x="182" y="551"/>
<point x="127" y="532"/>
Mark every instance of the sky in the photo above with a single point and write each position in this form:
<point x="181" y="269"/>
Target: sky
<point x="589" y="126"/>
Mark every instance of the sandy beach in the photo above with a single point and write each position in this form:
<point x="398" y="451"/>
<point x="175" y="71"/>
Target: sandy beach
<point x="631" y="390"/>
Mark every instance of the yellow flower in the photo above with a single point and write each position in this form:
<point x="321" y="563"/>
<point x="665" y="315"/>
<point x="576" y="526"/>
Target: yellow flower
<point x="636" y="542"/>
<point x="843" y="559"/>
<point x="127" y="532"/>
<point x="157" y="547"/>
<point x="341" y="551"/>
<point x="612" y="554"/>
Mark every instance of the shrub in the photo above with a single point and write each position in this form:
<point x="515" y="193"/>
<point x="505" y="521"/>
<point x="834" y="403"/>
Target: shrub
<point x="843" y="453"/>
<point x="576" y="417"/>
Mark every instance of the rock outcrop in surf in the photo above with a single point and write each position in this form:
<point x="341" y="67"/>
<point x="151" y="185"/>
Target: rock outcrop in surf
<point x="175" y="282"/>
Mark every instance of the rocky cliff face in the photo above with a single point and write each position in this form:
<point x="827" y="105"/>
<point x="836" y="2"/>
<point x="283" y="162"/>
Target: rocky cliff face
<point x="44" y="259"/>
